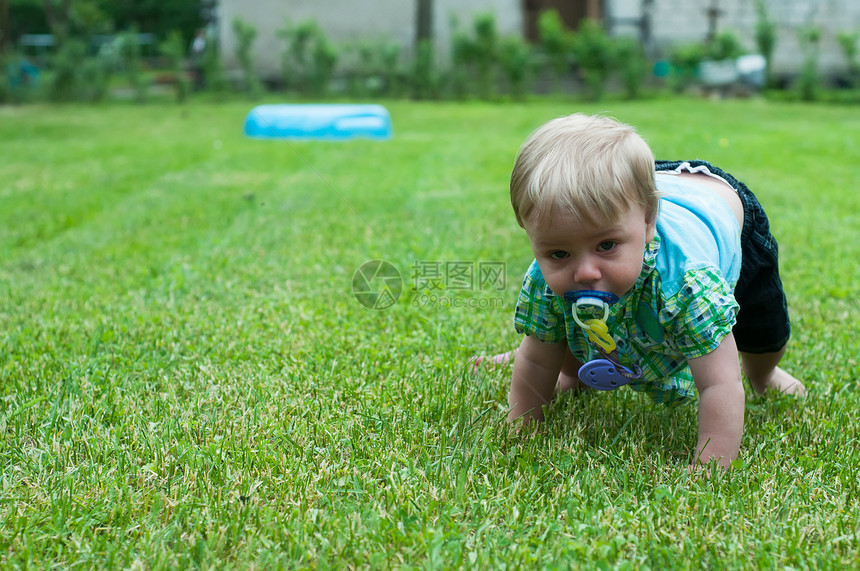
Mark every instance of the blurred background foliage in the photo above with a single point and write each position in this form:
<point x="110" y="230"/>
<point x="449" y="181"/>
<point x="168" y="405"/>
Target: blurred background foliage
<point x="91" y="50"/>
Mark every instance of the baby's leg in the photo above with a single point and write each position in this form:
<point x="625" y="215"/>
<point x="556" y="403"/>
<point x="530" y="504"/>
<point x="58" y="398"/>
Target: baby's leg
<point x="568" y="378"/>
<point x="764" y="375"/>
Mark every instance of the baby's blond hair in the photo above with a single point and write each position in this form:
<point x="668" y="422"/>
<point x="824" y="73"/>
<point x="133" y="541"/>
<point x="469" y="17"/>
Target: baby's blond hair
<point x="591" y="166"/>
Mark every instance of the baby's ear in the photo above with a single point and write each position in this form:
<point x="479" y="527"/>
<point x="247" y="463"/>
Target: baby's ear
<point x="651" y="228"/>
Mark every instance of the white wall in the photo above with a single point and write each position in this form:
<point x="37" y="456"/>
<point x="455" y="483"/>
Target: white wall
<point x="685" y="21"/>
<point x="348" y="21"/>
<point x="674" y="21"/>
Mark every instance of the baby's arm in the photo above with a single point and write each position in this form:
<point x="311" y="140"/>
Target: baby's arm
<point x="721" y="403"/>
<point x="536" y="369"/>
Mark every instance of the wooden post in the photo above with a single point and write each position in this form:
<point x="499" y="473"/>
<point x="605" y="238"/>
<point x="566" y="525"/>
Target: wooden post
<point x="423" y="21"/>
<point x="713" y="13"/>
<point x="592" y="10"/>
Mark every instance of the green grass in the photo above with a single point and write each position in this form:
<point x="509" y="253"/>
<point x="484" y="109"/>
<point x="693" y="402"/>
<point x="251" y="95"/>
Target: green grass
<point x="188" y="381"/>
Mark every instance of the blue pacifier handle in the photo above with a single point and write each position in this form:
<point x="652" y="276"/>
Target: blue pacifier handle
<point x="603" y="375"/>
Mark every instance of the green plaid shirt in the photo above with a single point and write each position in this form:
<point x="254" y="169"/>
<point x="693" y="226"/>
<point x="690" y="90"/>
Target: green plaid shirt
<point x="658" y="330"/>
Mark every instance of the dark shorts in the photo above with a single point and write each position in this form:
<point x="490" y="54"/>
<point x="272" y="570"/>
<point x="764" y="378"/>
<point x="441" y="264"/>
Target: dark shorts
<point x="762" y="324"/>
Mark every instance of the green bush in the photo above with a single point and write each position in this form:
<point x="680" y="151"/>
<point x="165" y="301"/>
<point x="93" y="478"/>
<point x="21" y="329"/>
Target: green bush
<point x="555" y="41"/>
<point x="376" y="70"/>
<point x="486" y="54"/>
<point x="765" y="37"/>
<point x="517" y="63"/>
<point x="76" y="75"/>
<point x="388" y="56"/>
<point x="296" y="58"/>
<point x="94" y="79"/>
<point x="632" y="65"/>
<point x="809" y="81"/>
<point x="592" y="50"/>
<point x="173" y="50"/>
<point x="132" y="64"/>
<point x="725" y="45"/>
<point x="476" y="58"/>
<point x="325" y="56"/>
<point x="685" y="60"/>
<point x="309" y="60"/>
<point x="460" y="82"/>
<point x="66" y="80"/>
<point x="214" y="78"/>
<point x="848" y="45"/>
<point x="424" y="77"/>
<point x="245" y="35"/>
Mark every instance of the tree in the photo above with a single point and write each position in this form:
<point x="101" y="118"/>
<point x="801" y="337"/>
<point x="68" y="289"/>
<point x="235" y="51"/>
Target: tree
<point x="59" y="16"/>
<point x="65" y="18"/>
<point x="156" y="16"/>
<point x="5" y="38"/>
<point x="75" y="18"/>
<point x="22" y="16"/>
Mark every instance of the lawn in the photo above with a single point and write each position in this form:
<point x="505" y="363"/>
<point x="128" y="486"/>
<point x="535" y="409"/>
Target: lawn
<point x="188" y="380"/>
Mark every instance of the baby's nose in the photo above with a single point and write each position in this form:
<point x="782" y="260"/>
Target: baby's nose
<point x="586" y="272"/>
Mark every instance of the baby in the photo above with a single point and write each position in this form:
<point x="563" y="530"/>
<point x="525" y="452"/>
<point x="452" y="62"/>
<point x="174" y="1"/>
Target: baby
<point x="650" y="274"/>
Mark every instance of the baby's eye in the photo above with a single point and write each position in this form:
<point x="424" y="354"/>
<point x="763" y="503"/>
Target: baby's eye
<point x="559" y="255"/>
<point x="606" y="246"/>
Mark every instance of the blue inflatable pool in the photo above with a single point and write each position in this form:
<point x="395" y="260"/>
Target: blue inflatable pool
<point x="331" y="122"/>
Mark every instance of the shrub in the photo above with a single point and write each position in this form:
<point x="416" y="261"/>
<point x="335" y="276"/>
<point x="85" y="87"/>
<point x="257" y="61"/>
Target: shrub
<point x="809" y="81"/>
<point x="212" y="69"/>
<point x="515" y="58"/>
<point x="173" y="50"/>
<point x="632" y="65"/>
<point x="296" y="59"/>
<point x="132" y="64"/>
<point x="475" y="57"/>
<point x="65" y="83"/>
<point x="486" y="53"/>
<point x="592" y="51"/>
<point x="325" y="57"/>
<point x="376" y="70"/>
<point x="555" y="42"/>
<point x="459" y="79"/>
<point x="77" y="76"/>
<point x="388" y="56"/>
<point x="245" y="35"/>
<point x="309" y="60"/>
<point x="765" y="37"/>
<point x="94" y="79"/>
<point x="685" y="60"/>
<point x="725" y="45"/>
<point x="424" y="78"/>
<point x="848" y="45"/>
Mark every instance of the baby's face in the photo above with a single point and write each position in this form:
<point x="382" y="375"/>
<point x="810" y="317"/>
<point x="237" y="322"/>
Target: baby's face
<point x="576" y="254"/>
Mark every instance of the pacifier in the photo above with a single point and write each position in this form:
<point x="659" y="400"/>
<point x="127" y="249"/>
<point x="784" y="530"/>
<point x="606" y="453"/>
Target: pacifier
<point x="593" y="302"/>
<point x="602" y="374"/>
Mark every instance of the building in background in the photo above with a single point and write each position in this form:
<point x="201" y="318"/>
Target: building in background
<point x="673" y="22"/>
<point x="659" y="24"/>
<point x="351" y="21"/>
